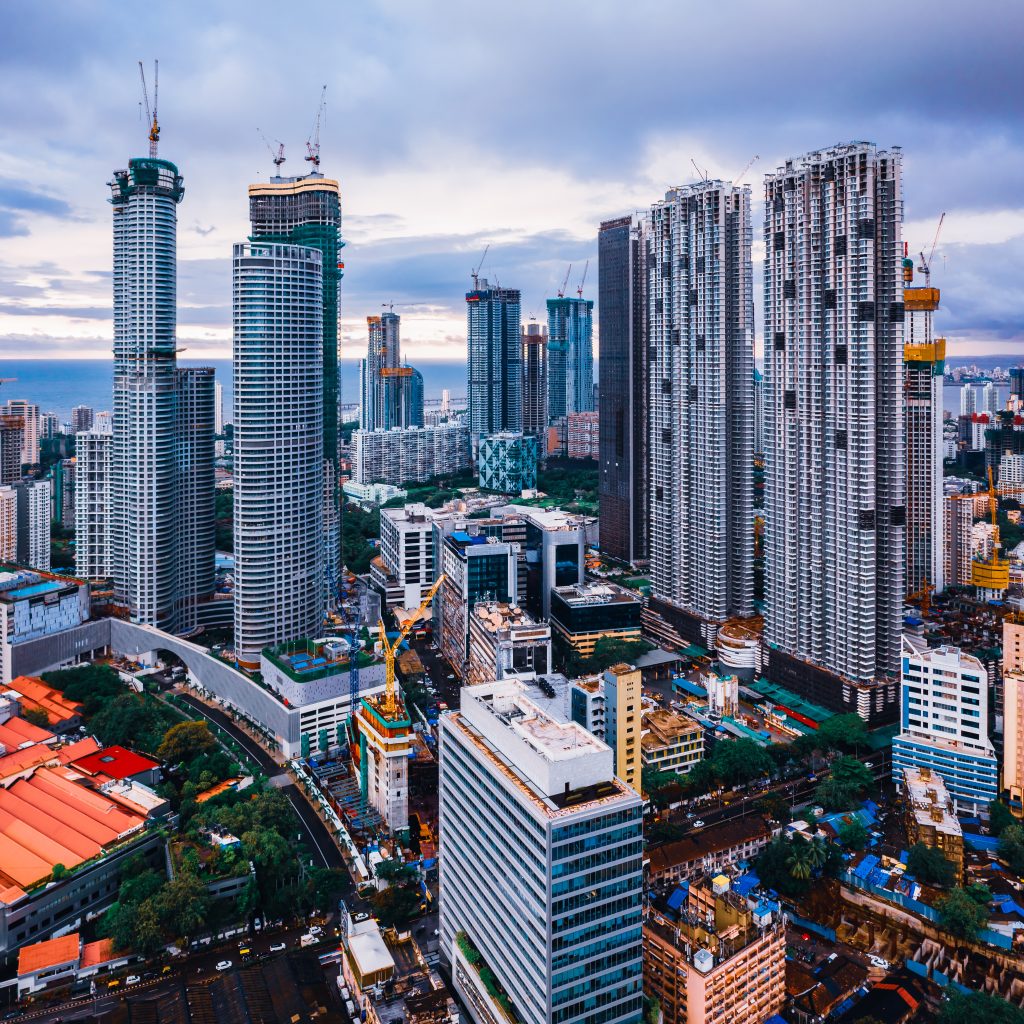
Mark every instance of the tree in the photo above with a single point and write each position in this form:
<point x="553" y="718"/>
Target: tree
<point x="836" y="796"/>
<point x="960" y="915"/>
<point x="183" y="905"/>
<point x="799" y="861"/>
<point x="59" y="871"/>
<point x="848" y="771"/>
<point x="999" y="817"/>
<point x="853" y="835"/>
<point x="842" y="732"/>
<point x="266" y="848"/>
<point x="185" y="741"/>
<point x="979" y="1008"/>
<point x="739" y="761"/>
<point x="396" y="905"/>
<point x="37" y="717"/>
<point x="92" y="686"/>
<point x="1011" y="847"/>
<point x="928" y="865"/>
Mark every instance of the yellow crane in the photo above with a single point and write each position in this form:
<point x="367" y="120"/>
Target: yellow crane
<point x="992" y="573"/>
<point x="390" y="706"/>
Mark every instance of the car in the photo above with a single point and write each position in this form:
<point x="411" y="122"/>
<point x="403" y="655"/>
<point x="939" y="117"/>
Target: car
<point x="12" y="1014"/>
<point x="244" y="952"/>
<point x="868" y="764"/>
<point x="358" y="917"/>
<point x="278" y="947"/>
<point x="113" y="983"/>
<point x="166" y="969"/>
<point x="224" y="965"/>
<point x="697" y="824"/>
<point x="879" y="962"/>
<point x="316" y="930"/>
<point x="132" y="979"/>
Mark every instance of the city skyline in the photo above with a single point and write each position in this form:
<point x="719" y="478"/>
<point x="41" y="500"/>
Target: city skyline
<point x="414" y="232"/>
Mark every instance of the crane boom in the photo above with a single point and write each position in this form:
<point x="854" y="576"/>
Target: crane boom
<point x="313" y="142"/>
<point x="750" y="163"/>
<point x="151" y="117"/>
<point x="390" y="647"/>
<point x="561" y="291"/>
<point x="475" y="273"/>
<point x="926" y="262"/>
<point x="583" y="279"/>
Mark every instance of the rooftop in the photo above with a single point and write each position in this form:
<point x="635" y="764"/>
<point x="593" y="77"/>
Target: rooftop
<point x="927" y="795"/>
<point x="578" y="595"/>
<point x="19" y="584"/>
<point x="50" y="953"/>
<point x="709" y="840"/>
<point x="115" y="762"/>
<point x="664" y="728"/>
<point x="368" y="948"/>
<point x="34" y="693"/>
<point x="499" y="617"/>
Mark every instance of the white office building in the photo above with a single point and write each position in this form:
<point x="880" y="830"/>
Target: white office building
<point x="700" y="315"/>
<point x="92" y="504"/>
<point x="541" y="879"/>
<point x="835" y="504"/>
<point x="944" y="723"/>
<point x="406" y="455"/>
<point x="279" y="466"/>
<point x="407" y="550"/>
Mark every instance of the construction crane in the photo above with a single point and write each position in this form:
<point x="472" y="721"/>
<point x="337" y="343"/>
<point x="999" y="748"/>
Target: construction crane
<point x="750" y="163"/>
<point x="313" y="142"/>
<point x="475" y="274"/>
<point x="583" y="279"/>
<point x="565" y="283"/>
<point x="390" y="706"/>
<point x="703" y="175"/>
<point x="278" y="157"/>
<point x="924" y="595"/>
<point x="353" y="644"/>
<point x="154" y="126"/>
<point x="926" y="264"/>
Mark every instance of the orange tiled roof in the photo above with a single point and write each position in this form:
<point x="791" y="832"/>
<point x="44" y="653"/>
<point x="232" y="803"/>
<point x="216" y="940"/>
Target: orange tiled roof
<point x="11" y="894"/>
<point x="50" y="953"/>
<point x="16" y="731"/>
<point x="96" y="953"/>
<point x="37" y="694"/>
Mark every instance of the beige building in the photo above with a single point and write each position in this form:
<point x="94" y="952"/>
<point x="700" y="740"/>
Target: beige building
<point x="504" y="640"/>
<point x="384" y="745"/>
<point x="670" y="742"/>
<point x="930" y="818"/>
<point x="623" y="708"/>
<point x="1013" y="711"/>
<point x="715" y="959"/>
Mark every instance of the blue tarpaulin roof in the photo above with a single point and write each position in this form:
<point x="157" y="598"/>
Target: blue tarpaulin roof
<point x="745" y="884"/>
<point x="989" y="843"/>
<point x="678" y="898"/>
<point x="866" y="866"/>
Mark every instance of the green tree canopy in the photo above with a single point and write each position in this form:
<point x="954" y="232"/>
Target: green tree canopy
<point x="979" y="1008"/>
<point x="183" y="905"/>
<point x="851" y="772"/>
<point x="1000" y="817"/>
<point x="960" y="915"/>
<point x="1011" y="847"/>
<point x="396" y="905"/>
<point x="739" y="761"/>
<point x="928" y="865"/>
<point x="185" y="741"/>
<point x="853" y="834"/>
<point x="37" y="717"/>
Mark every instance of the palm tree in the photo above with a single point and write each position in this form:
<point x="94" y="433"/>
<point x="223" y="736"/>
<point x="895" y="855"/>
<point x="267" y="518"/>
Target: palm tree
<point x="799" y="861"/>
<point x="817" y="855"/>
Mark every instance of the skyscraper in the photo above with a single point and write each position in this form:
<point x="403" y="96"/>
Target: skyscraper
<point x="28" y="413"/>
<point x="535" y="379"/>
<point x="968" y="400"/>
<point x="834" y="456"/>
<point x="144" y="521"/>
<point x="34" y="497"/>
<point x="495" y="361"/>
<point x="92" y="500"/>
<point x="279" y="478"/>
<point x="306" y="211"/>
<point x="391" y="395"/>
<point x="623" y="484"/>
<point x="570" y="356"/>
<point x="541" y="881"/>
<point x="218" y="408"/>
<point x="700" y="316"/>
<point x="923" y="368"/>
<point x="12" y="437"/>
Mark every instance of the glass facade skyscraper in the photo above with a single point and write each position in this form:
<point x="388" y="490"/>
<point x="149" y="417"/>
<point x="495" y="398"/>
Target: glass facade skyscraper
<point x="570" y="356"/>
<point x="494" y="361"/>
<point x="541" y="878"/>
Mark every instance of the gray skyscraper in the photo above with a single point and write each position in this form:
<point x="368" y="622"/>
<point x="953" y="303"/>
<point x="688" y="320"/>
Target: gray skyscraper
<point x="570" y="356"/>
<point x="834" y="478"/>
<point x="623" y="484"/>
<point x="535" y="379"/>
<point x="495" y="361"/>
<point x="700" y="316"/>
<point x="391" y="395"/>
<point x="92" y="504"/>
<point x="147" y="558"/>
<point x="279" y="479"/>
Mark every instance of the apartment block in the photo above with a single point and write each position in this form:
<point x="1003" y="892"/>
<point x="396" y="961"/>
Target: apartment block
<point x="944" y="715"/>
<point x="541" y="881"/>
<point x="700" y="318"/>
<point x="1013" y="711"/>
<point x="835" y="495"/>
<point x="494" y="361"/>
<point x="34" y="500"/>
<point x="583" y="435"/>
<point x="92" y="504"/>
<point x="623" y="692"/>
<point x="535" y="379"/>
<point x="670" y="742"/>
<point x="710" y="956"/>
<point x="407" y="550"/>
<point x="409" y="455"/>
<point x="958" y="523"/>
<point x="929" y="816"/>
<point x="31" y="429"/>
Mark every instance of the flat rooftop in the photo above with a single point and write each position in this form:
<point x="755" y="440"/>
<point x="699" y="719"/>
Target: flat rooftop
<point x="929" y="799"/>
<point x="498" y="616"/>
<point x="579" y="595"/>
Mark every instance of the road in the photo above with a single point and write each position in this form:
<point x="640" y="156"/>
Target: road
<point x="438" y="670"/>
<point x="321" y="843"/>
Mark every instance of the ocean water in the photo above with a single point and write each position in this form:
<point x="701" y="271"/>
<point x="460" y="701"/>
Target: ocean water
<point x="58" y="385"/>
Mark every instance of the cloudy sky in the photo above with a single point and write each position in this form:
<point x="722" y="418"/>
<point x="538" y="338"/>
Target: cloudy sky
<point x="451" y="125"/>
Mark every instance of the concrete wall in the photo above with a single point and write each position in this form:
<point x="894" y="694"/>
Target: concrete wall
<point x="57" y="650"/>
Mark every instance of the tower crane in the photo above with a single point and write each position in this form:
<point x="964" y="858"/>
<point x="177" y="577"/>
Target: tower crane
<point x="313" y="142"/>
<point x="561" y="291"/>
<point x="278" y="157"/>
<point x="390" y="705"/>
<point x="583" y="279"/>
<point x="151" y="118"/>
<point x="475" y="274"/>
<point x="738" y="180"/>
<point x="926" y="264"/>
<point x="703" y="175"/>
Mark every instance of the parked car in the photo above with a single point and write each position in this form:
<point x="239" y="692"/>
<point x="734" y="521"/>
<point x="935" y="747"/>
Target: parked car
<point x="278" y="947"/>
<point x="316" y="930"/>
<point x="224" y="965"/>
<point x="697" y="824"/>
<point x="132" y="979"/>
<point x="358" y="917"/>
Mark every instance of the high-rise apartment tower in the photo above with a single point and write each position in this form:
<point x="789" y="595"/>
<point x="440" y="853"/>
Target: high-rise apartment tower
<point x="570" y="356"/>
<point x="535" y="379"/>
<point x="834" y="448"/>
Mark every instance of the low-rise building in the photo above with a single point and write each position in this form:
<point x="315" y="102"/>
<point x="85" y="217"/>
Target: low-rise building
<point x="709" y="956"/>
<point x="64" y="959"/>
<point x="368" y="961"/>
<point x="670" y="742"/>
<point x="30" y="694"/>
<point x="712" y="849"/>
<point x="583" y="613"/>
<point x="504" y="640"/>
<point x="370" y="496"/>
<point x="930" y="818"/>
